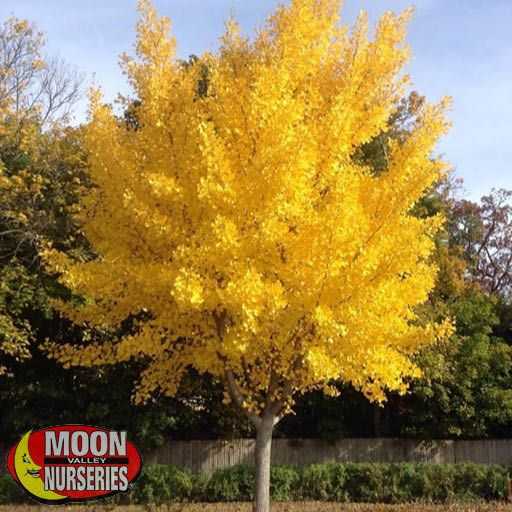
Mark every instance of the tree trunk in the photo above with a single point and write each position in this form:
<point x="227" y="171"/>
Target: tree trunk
<point x="262" y="456"/>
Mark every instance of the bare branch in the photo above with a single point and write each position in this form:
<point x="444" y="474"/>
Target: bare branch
<point x="31" y="86"/>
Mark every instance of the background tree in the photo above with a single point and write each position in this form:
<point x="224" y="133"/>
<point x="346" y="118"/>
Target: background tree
<point x="241" y="232"/>
<point x="466" y="383"/>
<point x="40" y="169"/>
<point x="484" y="231"/>
<point x="31" y="85"/>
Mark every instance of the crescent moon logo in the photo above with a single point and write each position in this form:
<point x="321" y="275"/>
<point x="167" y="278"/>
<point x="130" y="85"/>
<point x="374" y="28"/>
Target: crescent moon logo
<point x="74" y="463"/>
<point x="29" y="473"/>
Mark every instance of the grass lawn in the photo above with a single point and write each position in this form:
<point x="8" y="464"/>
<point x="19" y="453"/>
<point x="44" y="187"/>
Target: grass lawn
<point x="277" y="507"/>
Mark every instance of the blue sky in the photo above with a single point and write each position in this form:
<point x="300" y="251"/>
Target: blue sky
<point x="461" y="48"/>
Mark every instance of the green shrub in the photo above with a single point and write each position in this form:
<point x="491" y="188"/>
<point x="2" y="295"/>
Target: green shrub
<point x="474" y="481"/>
<point x="160" y="483"/>
<point x="403" y="483"/>
<point x="231" y="484"/>
<point x="365" y="482"/>
<point x="284" y="482"/>
<point x="411" y="482"/>
<point x="348" y="482"/>
<point x="324" y="482"/>
<point x="315" y="482"/>
<point x="438" y="482"/>
<point x="496" y="483"/>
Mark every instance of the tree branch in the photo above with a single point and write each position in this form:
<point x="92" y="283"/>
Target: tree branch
<point x="237" y="398"/>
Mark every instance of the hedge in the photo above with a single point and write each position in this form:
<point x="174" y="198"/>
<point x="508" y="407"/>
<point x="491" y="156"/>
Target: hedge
<point x="350" y="482"/>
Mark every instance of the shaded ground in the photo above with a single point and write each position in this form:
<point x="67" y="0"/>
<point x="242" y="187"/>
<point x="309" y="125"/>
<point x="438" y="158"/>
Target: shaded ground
<point x="277" y="507"/>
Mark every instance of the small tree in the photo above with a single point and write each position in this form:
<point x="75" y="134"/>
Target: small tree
<point x="234" y="227"/>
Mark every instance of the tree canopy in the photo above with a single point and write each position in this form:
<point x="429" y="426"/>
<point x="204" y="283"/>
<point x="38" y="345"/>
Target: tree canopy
<point x="239" y="232"/>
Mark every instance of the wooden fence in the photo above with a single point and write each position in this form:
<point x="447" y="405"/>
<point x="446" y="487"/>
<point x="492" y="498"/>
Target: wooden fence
<point x="206" y="456"/>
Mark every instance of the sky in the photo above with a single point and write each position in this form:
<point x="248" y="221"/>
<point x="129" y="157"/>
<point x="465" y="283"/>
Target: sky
<point x="461" y="48"/>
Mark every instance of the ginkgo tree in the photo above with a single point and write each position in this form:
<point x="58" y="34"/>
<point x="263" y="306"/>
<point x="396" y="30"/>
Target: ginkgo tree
<point x="235" y="229"/>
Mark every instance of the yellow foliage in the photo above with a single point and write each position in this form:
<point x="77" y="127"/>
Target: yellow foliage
<point x="239" y="220"/>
